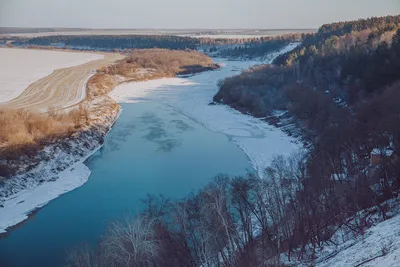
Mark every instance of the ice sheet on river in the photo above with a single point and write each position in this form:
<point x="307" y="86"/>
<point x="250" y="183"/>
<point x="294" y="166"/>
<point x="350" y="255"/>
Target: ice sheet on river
<point x="192" y="97"/>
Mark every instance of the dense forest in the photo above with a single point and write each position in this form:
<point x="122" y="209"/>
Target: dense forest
<point x="111" y="42"/>
<point x="245" y="47"/>
<point x="339" y="92"/>
<point x="120" y="42"/>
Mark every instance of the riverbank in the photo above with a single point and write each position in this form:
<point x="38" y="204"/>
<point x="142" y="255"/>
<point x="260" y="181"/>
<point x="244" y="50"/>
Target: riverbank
<point x="61" y="170"/>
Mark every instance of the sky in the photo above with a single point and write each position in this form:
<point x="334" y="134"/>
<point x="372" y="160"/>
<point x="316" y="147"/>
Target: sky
<point x="185" y="14"/>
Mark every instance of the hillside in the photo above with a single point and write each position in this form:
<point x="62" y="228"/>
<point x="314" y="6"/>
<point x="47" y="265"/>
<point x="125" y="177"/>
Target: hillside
<point x="339" y="92"/>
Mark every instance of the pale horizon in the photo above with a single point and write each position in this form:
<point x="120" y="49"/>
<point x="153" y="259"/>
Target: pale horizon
<point x="181" y="14"/>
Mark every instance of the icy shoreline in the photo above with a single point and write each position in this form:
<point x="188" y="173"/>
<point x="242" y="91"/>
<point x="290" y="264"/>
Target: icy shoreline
<point x="23" y="194"/>
<point x="18" y="207"/>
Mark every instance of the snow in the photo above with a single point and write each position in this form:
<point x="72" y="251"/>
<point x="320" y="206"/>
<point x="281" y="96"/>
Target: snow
<point x="339" y="176"/>
<point x="17" y="208"/>
<point x="192" y="96"/>
<point x="21" y="67"/>
<point x="385" y="152"/>
<point x="379" y="245"/>
<point x="384" y="235"/>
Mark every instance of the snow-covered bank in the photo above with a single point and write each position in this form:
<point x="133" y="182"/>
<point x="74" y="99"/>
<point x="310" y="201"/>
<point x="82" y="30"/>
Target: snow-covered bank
<point x="192" y="97"/>
<point x="21" y="67"/>
<point x="61" y="171"/>
<point x="17" y="208"/>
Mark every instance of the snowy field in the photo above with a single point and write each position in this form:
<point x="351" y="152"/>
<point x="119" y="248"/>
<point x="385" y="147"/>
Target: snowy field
<point x="192" y="97"/>
<point x="21" y="67"/>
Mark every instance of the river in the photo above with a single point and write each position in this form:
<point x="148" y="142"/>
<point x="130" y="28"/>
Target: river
<point x="168" y="140"/>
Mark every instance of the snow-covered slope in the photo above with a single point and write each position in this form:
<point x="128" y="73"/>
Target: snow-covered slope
<point x="380" y="246"/>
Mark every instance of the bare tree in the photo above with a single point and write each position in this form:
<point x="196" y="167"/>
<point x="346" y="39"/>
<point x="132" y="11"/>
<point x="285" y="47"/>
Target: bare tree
<point x="83" y="256"/>
<point x="131" y="243"/>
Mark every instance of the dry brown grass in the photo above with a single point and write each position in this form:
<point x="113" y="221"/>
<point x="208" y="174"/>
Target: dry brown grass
<point x="100" y="84"/>
<point x="162" y="62"/>
<point x="21" y="128"/>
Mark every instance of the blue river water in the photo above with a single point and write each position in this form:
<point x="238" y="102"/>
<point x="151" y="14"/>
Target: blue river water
<point x="151" y="149"/>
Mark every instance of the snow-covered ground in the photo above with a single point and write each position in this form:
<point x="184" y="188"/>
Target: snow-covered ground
<point x="21" y="67"/>
<point x="192" y="97"/>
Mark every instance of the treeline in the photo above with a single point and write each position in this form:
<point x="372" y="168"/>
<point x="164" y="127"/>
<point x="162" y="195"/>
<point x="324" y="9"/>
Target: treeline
<point x="247" y="47"/>
<point x="345" y="35"/>
<point x="351" y="66"/>
<point x="251" y="39"/>
<point x="341" y="93"/>
<point x="255" y="47"/>
<point x="382" y="24"/>
<point x="112" y="42"/>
